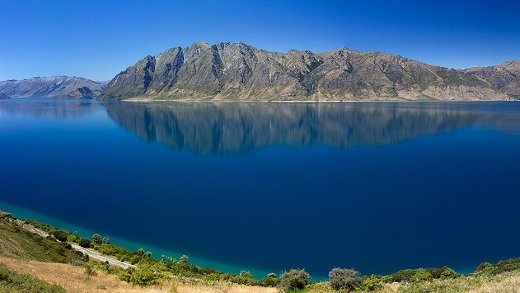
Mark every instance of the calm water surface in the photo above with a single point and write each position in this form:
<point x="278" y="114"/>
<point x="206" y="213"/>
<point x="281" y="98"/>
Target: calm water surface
<point x="267" y="187"/>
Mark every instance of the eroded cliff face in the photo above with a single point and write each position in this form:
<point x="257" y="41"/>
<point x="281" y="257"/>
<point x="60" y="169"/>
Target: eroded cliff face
<point x="236" y="71"/>
<point x="55" y="86"/>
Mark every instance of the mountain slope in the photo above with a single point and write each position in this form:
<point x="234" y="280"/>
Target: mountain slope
<point x="504" y="77"/>
<point x="236" y="71"/>
<point x="55" y="86"/>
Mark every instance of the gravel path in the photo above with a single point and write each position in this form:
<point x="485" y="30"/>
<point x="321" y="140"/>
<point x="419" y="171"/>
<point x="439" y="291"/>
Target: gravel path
<point x="96" y="255"/>
<point x="91" y="253"/>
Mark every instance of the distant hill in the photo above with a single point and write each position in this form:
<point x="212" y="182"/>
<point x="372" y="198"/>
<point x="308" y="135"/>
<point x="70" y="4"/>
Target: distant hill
<point x="4" y="96"/>
<point x="236" y="71"/>
<point x="504" y="77"/>
<point x="55" y="86"/>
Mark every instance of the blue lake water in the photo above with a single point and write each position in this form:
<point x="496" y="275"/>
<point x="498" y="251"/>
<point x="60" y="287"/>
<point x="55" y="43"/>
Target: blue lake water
<point x="266" y="187"/>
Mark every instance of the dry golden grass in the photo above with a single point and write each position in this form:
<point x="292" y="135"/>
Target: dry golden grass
<point x="508" y="282"/>
<point x="74" y="280"/>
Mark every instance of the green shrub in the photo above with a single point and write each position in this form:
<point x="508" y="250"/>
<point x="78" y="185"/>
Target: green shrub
<point x="414" y="275"/>
<point x="500" y="267"/>
<point x="144" y="276"/>
<point x="89" y="270"/>
<point x="372" y="283"/>
<point x="84" y="242"/>
<point x="340" y="278"/>
<point x="294" y="279"/>
<point x="244" y="278"/>
<point x="96" y="238"/>
<point x="60" y="235"/>
<point x="421" y="275"/>
<point x="183" y="259"/>
<point x="270" y="281"/>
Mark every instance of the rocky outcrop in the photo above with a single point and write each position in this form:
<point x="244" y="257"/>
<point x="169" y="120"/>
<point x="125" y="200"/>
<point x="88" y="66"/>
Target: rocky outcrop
<point x="56" y="86"/>
<point x="504" y="77"/>
<point x="4" y="96"/>
<point x="236" y="71"/>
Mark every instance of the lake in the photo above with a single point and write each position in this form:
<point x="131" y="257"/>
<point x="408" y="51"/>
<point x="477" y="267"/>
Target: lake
<point x="267" y="187"/>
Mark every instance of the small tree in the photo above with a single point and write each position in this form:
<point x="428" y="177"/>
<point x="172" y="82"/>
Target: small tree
<point x="60" y="235"/>
<point x="270" y="281"/>
<point x="294" y="279"/>
<point x="168" y="261"/>
<point x="140" y="251"/>
<point x="246" y="274"/>
<point x="96" y="238"/>
<point x="183" y="259"/>
<point x="344" y="278"/>
<point x="84" y="242"/>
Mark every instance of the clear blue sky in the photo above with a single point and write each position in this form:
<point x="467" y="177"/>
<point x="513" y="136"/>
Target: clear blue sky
<point x="98" y="39"/>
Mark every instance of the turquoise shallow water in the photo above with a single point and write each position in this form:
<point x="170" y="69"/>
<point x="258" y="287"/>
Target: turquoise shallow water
<point x="267" y="187"/>
<point x="22" y="213"/>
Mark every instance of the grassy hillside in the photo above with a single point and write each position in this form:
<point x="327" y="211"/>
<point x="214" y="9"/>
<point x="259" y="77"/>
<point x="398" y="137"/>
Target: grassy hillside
<point x="46" y="258"/>
<point x="11" y="281"/>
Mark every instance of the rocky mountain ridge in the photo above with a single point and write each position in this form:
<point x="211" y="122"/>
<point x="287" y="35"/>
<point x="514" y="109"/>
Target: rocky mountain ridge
<point x="55" y="86"/>
<point x="239" y="72"/>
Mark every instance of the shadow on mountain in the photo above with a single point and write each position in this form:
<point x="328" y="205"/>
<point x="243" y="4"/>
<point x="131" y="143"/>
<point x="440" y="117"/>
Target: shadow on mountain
<point x="236" y="128"/>
<point x="48" y="107"/>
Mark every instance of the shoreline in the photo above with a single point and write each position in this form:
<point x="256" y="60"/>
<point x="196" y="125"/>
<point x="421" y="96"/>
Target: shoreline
<point x="157" y="252"/>
<point x="148" y="100"/>
<point x="129" y="244"/>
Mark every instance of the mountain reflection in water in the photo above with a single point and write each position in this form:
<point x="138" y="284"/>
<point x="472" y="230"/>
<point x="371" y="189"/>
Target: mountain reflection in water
<point x="236" y="128"/>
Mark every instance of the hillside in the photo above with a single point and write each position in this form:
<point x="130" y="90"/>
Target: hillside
<point x="239" y="72"/>
<point x="32" y="263"/>
<point x="504" y="77"/>
<point x="55" y="86"/>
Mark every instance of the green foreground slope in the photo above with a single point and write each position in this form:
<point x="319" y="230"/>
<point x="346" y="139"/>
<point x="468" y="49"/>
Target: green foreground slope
<point x="18" y="240"/>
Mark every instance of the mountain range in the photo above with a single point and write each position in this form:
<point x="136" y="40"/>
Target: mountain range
<point x="240" y="72"/>
<point x="236" y="71"/>
<point x="55" y="86"/>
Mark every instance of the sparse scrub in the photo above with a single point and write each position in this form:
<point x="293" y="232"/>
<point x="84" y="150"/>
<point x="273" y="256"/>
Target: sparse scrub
<point x="89" y="270"/>
<point x="294" y="279"/>
<point x="11" y="281"/>
<point x="340" y="278"/>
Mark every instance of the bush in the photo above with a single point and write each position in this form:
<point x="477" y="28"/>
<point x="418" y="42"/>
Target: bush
<point x="270" y="281"/>
<point x="84" y="242"/>
<point x="372" y="283"/>
<point x="96" y="238"/>
<point x="89" y="271"/>
<point x="60" y="235"/>
<point x="344" y="278"/>
<point x="294" y="279"/>
<point x="144" y="276"/>
<point x="245" y="278"/>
